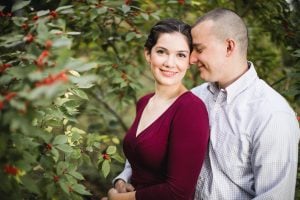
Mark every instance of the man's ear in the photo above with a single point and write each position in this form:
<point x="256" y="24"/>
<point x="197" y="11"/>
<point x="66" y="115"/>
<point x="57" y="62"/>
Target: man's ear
<point x="147" y="55"/>
<point x="231" y="47"/>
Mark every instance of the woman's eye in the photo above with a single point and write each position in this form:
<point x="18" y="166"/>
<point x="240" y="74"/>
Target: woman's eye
<point x="160" y="51"/>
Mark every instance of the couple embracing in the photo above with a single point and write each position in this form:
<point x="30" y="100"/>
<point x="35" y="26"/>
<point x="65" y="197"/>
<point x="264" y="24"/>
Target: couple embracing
<point x="233" y="137"/>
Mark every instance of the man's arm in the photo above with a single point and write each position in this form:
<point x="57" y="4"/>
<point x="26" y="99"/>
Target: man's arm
<point x="274" y="157"/>
<point x="121" y="182"/>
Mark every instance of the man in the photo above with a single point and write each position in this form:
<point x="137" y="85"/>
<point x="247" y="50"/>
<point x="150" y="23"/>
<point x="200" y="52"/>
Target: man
<point x="253" y="146"/>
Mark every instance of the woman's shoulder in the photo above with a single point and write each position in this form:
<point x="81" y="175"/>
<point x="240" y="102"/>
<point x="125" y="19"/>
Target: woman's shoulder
<point x="189" y="99"/>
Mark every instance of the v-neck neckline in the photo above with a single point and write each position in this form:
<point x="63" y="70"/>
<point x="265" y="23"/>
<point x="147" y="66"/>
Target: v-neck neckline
<point x="158" y="118"/>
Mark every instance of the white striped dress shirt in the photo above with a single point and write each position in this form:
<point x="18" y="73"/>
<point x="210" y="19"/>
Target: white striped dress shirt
<point x="253" y="146"/>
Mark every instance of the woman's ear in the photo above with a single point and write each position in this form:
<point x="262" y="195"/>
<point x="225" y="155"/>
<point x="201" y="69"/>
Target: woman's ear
<point x="147" y="55"/>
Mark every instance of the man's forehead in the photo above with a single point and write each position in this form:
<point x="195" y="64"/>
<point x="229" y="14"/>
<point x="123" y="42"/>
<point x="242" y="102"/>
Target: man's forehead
<point x="203" y="27"/>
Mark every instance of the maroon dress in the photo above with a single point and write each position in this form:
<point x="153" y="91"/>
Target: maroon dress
<point x="167" y="156"/>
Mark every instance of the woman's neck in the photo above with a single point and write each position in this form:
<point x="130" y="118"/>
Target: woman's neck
<point x="166" y="93"/>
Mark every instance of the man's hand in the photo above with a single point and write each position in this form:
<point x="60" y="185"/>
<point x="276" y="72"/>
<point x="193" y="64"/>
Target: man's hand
<point x="121" y="186"/>
<point x="110" y="194"/>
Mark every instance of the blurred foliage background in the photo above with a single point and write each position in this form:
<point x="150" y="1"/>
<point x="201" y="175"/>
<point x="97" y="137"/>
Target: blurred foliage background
<point x="71" y="72"/>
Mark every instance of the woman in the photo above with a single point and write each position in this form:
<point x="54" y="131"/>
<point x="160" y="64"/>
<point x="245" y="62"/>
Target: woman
<point x="167" y="141"/>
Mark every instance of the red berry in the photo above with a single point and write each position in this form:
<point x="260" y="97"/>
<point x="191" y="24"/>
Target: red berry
<point x="55" y="178"/>
<point x="10" y="95"/>
<point x="35" y="18"/>
<point x="48" y="44"/>
<point x="53" y="13"/>
<point x="4" y="67"/>
<point x="9" y="169"/>
<point x="41" y="59"/>
<point x="24" y="26"/>
<point x="48" y="147"/>
<point x="29" y="38"/>
<point x="181" y="2"/>
<point x="128" y="2"/>
<point x="1" y="105"/>
<point x="105" y="156"/>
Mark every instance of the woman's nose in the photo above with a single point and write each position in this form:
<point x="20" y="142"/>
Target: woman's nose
<point x="170" y="62"/>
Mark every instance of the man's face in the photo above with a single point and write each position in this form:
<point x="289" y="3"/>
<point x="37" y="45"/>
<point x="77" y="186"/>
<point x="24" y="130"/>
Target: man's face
<point x="209" y="52"/>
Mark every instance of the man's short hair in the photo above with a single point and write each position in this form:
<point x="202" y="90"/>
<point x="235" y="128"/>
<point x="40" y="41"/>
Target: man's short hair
<point x="227" y="24"/>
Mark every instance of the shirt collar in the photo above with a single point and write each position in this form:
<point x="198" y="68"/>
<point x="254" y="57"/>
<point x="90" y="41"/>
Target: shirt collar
<point x="237" y="86"/>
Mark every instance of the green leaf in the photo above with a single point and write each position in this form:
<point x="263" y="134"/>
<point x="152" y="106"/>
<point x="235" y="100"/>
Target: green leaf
<point x="145" y="16"/>
<point x="76" y="175"/>
<point x="42" y="30"/>
<point x="125" y="9"/>
<point x="89" y="149"/>
<point x="80" y="189"/>
<point x="155" y="16"/>
<point x="55" y="154"/>
<point x="30" y="184"/>
<point x="42" y="13"/>
<point x="77" y="130"/>
<point x="61" y="167"/>
<point x="84" y="67"/>
<point x="76" y="154"/>
<point x="64" y="186"/>
<point x="65" y="148"/>
<point x="79" y="93"/>
<point x="19" y="4"/>
<point x="130" y="36"/>
<point x="118" y="158"/>
<point x="60" y="139"/>
<point x="102" y="10"/>
<point x="100" y="159"/>
<point x="73" y="33"/>
<point x="63" y="8"/>
<point x="111" y="150"/>
<point x="105" y="168"/>
<point x="62" y="42"/>
<point x="51" y="189"/>
<point x="84" y="81"/>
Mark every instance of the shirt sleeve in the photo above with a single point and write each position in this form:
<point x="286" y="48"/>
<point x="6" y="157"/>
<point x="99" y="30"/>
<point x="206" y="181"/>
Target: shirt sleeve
<point x="186" y="151"/>
<point x="274" y="158"/>
<point x="125" y="174"/>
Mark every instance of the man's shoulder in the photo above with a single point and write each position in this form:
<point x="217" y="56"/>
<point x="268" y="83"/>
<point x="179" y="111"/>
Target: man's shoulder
<point x="267" y="100"/>
<point x="200" y="90"/>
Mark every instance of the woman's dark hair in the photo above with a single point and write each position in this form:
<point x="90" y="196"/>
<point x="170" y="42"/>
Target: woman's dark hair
<point x="168" y="26"/>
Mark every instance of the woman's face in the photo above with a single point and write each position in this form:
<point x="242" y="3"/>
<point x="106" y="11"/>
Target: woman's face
<point x="169" y="58"/>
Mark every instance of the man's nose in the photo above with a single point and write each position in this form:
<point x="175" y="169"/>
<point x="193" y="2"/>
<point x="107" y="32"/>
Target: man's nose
<point x="193" y="58"/>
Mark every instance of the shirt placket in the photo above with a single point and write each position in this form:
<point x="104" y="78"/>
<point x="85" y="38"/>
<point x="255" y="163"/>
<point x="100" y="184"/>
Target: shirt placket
<point x="218" y="101"/>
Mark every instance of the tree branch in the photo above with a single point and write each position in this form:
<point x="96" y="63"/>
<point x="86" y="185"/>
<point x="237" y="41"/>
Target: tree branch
<point x="111" y="110"/>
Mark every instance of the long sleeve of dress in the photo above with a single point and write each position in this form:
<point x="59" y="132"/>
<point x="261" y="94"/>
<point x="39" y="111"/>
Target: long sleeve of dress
<point x="186" y="151"/>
